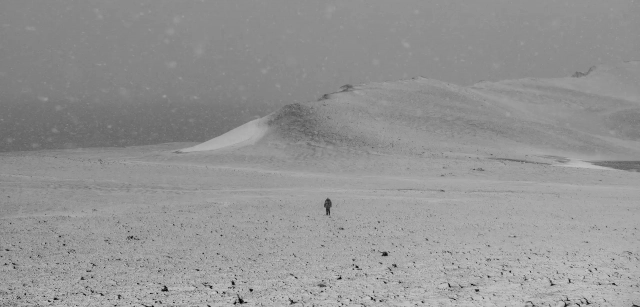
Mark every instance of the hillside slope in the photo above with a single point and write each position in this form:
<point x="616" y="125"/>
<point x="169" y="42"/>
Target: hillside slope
<point x="594" y="115"/>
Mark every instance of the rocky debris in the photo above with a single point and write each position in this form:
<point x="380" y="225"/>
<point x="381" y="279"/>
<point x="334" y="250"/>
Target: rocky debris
<point x="385" y="254"/>
<point x="347" y="88"/>
<point x="551" y="283"/>
<point x="477" y="298"/>
<point x="572" y="302"/>
<point x="560" y="304"/>
<point x="444" y="286"/>
<point x="343" y="89"/>
<point x="239" y="300"/>
<point x="579" y="74"/>
<point x="324" y="97"/>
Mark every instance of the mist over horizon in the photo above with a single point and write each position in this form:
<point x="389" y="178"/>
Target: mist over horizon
<point x="77" y="73"/>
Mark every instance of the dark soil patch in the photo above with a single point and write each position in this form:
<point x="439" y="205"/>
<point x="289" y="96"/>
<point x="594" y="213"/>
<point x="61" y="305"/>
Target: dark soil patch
<point x="558" y="159"/>
<point x="631" y="166"/>
<point x="519" y="161"/>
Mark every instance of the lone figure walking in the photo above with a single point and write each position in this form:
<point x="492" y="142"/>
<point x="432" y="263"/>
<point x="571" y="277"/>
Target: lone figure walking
<point x="327" y="206"/>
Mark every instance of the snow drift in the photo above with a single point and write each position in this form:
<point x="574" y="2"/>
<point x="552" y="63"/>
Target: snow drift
<point x="246" y="134"/>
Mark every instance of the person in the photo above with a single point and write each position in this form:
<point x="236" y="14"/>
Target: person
<point x="327" y="206"/>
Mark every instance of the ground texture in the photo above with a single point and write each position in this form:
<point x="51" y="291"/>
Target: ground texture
<point x="444" y="196"/>
<point x="123" y="228"/>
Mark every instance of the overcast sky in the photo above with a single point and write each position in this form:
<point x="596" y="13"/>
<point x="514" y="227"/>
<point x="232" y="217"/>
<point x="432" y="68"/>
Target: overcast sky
<point x="264" y="54"/>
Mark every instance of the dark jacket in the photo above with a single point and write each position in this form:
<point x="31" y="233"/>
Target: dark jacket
<point x="327" y="203"/>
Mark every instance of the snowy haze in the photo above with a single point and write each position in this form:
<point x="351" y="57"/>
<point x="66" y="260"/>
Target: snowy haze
<point x="132" y="72"/>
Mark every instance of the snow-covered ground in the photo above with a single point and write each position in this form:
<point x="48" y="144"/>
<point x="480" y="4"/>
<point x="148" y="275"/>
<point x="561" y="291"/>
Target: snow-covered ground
<point x="126" y="227"/>
<point x="444" y="196"/>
